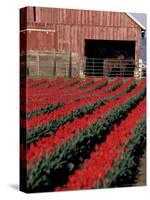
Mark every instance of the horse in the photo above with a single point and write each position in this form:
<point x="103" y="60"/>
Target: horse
<point x="111" y="64"/>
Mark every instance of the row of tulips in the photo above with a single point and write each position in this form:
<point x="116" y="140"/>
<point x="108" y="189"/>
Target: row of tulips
<point x="76" y="109"/>
<point x="30" y="86"/>
<point x="51" y="101"/>
<point x="60" y="85"/>
<point x="47" y="160"/>
<point x="92" y="91"/>
<point x="42" y="83"/>
<point x="93" y="170"/>
<point x="36" y="83"/>
<point x="124" y="171"/>
<point x="98" y="94"/>
<point x="74" y="127"/>
<point x="35" y="87"/>
<point x="55" y="101"/>
<point x="35" y="101"/>
<point x="48" y="96"/>
<point x="66" y="108"/>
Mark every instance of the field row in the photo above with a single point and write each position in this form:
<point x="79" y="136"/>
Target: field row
<point x="90" y="136"/>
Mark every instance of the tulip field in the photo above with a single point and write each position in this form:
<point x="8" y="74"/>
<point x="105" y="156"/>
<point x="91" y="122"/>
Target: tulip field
<point x="81" y="133"/>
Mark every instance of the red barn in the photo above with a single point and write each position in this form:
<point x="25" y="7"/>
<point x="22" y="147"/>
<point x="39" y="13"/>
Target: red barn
<point x="61" y="41"/>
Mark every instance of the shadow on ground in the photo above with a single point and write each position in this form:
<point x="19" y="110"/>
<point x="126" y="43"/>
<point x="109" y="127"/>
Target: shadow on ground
<point x="14" y="186"/>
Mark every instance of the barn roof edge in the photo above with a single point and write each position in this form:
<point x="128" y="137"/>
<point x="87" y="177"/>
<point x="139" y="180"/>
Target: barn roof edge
<point x="136" y="21"/>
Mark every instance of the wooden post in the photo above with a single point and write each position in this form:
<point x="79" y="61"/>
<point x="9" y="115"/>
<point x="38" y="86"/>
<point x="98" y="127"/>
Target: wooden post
<point x="70" y="65"/>
<point x="38" y="66"/>
<point x="54" y="65"/>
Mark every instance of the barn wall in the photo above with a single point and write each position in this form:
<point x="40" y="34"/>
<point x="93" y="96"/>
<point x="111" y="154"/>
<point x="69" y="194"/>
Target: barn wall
<point x="65" y="30"/>
<point x="80" y="17"/>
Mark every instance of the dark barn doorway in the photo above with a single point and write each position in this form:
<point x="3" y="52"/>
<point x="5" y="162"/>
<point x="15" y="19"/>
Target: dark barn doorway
<point x="120" y="55"/>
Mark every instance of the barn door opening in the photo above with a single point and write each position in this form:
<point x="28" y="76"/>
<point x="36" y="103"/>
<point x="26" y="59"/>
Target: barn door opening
<point x="109" y="57"/>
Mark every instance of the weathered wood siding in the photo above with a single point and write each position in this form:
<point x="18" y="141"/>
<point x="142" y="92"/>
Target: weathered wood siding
<point x="65" y="30"/>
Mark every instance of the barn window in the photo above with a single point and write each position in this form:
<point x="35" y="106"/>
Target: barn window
<point x="117" y="56"/>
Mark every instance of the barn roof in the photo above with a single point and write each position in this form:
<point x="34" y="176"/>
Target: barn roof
<point x="136" y="21"/>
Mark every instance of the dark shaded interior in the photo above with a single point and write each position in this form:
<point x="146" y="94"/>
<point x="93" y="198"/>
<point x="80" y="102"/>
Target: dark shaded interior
<point x="96" y="51"/>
